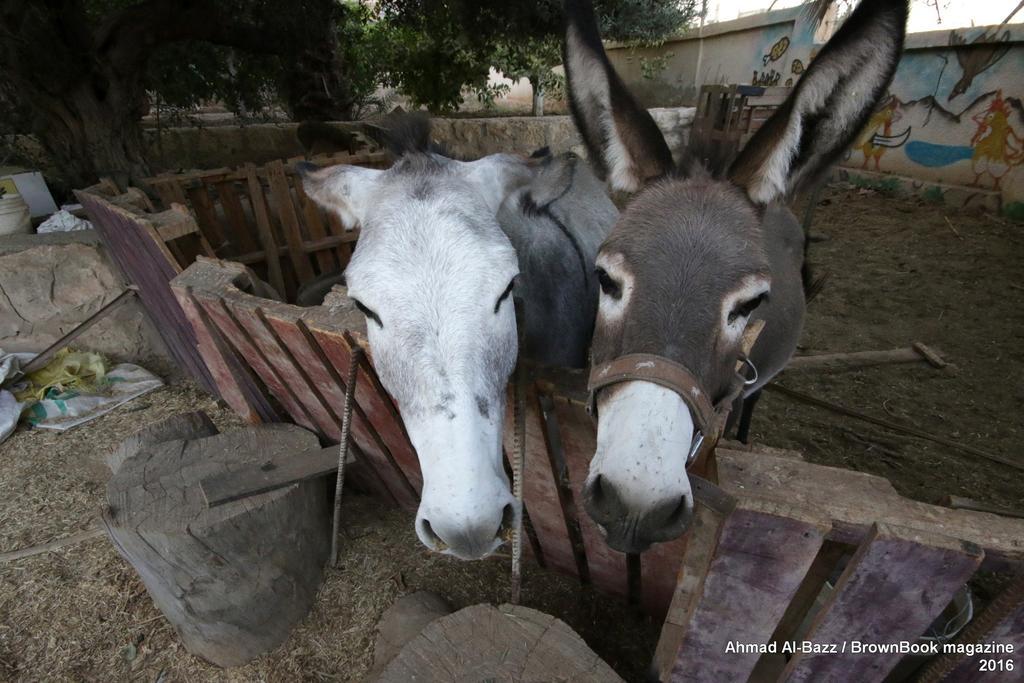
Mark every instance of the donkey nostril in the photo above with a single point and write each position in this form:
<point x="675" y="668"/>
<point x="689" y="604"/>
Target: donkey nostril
<point x="508" y="522"/>
<point x="428" y="533"/>
<point x="681" y="514"/>
<point x="596" y="491"/>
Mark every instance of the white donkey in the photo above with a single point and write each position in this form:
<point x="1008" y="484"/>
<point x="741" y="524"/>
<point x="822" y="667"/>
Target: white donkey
<point x="443" y="245"/>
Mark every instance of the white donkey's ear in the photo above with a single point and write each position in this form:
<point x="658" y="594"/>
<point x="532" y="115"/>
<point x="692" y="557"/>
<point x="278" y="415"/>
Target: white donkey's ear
<point x="344" y="190"/>
<point x="623" y="142"/>
<point x="829" y="105"/>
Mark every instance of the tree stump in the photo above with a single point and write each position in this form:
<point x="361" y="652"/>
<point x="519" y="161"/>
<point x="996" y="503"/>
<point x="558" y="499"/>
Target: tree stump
<point x="234" y="579"/>
<point x="507" y="643"/>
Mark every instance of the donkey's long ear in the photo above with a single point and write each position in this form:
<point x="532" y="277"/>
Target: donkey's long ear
<point x="828" y="106"/>
<point x="624" y="144"/>
<point x="344" y="190"/>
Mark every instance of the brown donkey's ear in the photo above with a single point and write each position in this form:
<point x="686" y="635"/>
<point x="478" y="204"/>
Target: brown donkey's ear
<point x="623" y="142"/>
<point x="828" y="106"/>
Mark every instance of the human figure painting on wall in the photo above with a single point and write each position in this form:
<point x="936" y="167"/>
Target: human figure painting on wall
<point x="997" y="147"/>
<point x="877" y="135"/>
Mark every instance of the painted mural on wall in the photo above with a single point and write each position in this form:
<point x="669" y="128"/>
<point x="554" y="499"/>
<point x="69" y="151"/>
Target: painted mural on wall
<point x="777" y="60"/>
<point x="954" y="115"/>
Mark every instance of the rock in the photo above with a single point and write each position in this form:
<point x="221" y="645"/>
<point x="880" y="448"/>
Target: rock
<point x="402" y="622"/>
<point x="50" y="283"/>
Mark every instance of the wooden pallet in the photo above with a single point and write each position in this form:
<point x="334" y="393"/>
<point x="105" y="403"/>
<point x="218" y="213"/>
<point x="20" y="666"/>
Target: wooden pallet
<point x="753" y="569"/>
<point x="260" y="216"/>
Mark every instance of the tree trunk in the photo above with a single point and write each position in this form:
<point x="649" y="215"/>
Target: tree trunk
<point x="91" y="134"/>
<point x="235" y="579"/>
<point x="538" y="95"/>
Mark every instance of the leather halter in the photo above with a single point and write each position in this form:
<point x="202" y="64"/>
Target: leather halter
<point x="709" y="417"/>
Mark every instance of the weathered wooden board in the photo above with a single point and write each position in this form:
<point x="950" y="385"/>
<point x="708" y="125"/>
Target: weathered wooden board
<point x="143" y="258"/>
<point x="854" y="501"/>
<point x="277" y="470"/>
<point x="894" y="587"/>
<point x="606" y="568"/>
<point x="541" y="493"/>
<point x="761" y="557"/>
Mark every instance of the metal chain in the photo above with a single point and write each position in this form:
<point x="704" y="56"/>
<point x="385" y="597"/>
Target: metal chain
<point x="346" y="424"/>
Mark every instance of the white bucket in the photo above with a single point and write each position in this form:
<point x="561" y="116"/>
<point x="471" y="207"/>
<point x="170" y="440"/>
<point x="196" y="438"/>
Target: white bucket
<point x="14" y="215"/>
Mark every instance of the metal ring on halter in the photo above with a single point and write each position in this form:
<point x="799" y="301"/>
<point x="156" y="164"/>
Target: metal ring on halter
<point x="698" y="441"/>
<point x="749" y="364"/>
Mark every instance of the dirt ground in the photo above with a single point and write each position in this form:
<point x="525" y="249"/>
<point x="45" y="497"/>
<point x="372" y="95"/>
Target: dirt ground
<point x="899" y="271"/>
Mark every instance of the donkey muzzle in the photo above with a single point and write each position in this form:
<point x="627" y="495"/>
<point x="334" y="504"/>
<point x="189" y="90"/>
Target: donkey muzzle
<point x="631" y="532"/>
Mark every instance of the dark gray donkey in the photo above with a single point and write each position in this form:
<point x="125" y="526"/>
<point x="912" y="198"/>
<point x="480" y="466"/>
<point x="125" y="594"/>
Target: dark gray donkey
<point x="443" y="244"/>
<point x="696" y="258"/>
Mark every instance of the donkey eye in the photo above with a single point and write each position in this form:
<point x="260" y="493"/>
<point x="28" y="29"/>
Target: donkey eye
<point x="745" y="308"/>
<point x="367" y="312"/>
<point x="608" y="285"/>
<point x="504" y="295"/>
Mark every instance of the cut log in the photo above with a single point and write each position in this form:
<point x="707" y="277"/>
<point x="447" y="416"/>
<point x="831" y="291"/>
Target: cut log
<point x="507" y="643"/>
<point x="235" y="579"/>
<point x="194" y="425"/>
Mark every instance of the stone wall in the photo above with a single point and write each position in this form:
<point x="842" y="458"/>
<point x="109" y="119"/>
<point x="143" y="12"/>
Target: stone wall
<point x="51" y="283"/>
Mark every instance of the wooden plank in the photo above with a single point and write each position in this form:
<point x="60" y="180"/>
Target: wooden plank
<point x="763" y="553"/>
<point x="328" y="388"/>
<point x="894" y="587"/>
<point x="206" y="215"/>
<point x="540" y="491"/>
<point x="1000" y="623"/>
<point x="660" y="567"/>
<point x="325" y="259"/>
<point x="853" y="501"/>
<point x="237" y="225"/>
<point x="818" y="573"/>
<point x="964" y="503"/>
<point x="399" y="465"/>
<point x="234" y="384"/>
<point x="276" y="471"/>
<point x="263" y="229"/>
<point x="606" y="568"/>
<point x="701" y="541"/>
<point x="289" y="220"/>
<point x="223" y="319"/>
<point x="859" y="359"/>
<point x="144" y="260"/>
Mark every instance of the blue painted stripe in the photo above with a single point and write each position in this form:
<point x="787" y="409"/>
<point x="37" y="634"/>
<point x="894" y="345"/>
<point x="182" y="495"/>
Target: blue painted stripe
<point x="930" y="154"/>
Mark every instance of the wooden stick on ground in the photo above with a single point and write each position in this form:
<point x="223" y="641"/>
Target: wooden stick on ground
<point x="94" y="531"/>
<point x="44" y="357"/>
<point x="921" y="434"/>
<point x="862" y="359"/>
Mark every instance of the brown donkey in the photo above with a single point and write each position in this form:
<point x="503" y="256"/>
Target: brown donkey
<point x="698" y="257"/>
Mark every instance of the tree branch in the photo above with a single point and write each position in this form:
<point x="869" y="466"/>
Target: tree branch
<point x="127" y="38"/>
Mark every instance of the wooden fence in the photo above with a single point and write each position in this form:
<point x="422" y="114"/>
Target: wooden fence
<point x="763" y="544"/>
